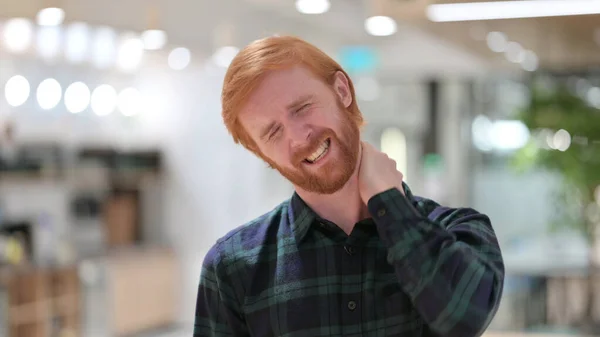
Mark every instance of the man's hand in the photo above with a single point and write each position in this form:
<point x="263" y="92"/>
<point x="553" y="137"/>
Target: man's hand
<point x="377" y="173"/>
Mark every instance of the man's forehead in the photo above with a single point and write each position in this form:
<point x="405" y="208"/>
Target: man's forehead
<point x="282" y="86"/>
<point x="275" y="96"/>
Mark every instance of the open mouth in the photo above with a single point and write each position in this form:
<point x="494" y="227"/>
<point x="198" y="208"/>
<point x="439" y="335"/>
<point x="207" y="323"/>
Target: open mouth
<point x="319" y="153"/>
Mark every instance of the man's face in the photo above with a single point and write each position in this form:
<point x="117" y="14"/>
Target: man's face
<point x="302" y="128"/>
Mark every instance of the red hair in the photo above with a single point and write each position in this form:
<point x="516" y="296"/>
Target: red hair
<point x="253" y="62"/>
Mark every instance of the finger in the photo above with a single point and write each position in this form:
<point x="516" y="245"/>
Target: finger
<point x="361" y="151"/>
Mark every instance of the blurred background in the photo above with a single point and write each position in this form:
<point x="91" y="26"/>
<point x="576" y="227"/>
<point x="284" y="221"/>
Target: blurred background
<point x="117" y="175"/>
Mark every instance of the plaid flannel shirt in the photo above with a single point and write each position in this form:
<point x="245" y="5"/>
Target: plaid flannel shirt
<point x="414" y="269"/>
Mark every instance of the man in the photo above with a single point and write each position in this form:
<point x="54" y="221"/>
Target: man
<point x="353" y="252"/>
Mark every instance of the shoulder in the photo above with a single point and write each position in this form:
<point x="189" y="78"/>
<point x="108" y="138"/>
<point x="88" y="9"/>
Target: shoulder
<point x="443" y="214"/>
<point x="246" y="240"/>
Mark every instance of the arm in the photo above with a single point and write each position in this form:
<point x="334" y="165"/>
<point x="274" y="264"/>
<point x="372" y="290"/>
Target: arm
<point x="449" y="264"/>
<point x="217" y="310"/>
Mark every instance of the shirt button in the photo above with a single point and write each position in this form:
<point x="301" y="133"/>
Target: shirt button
<point x="349" y="250"/>
<point x="351" y="305"/>
<point x="381" y="212"/>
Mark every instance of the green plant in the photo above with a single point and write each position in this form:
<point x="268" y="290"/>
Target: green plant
<point x="576" y="160"/>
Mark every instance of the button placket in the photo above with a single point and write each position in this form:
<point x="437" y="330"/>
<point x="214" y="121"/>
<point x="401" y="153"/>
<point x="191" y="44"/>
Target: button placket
<point x="351" y="266"/>
<point x="350" y="250"/>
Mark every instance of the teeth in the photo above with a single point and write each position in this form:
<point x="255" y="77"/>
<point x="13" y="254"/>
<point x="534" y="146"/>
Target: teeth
<point x="319" y="152"/>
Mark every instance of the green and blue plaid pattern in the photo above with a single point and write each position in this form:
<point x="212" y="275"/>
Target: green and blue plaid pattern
<point x="414" y="269"/>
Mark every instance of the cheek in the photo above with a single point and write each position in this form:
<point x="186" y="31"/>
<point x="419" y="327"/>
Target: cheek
<point x="276" y="155"/>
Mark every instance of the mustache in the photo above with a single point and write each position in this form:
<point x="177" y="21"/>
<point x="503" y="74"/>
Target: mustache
<point x="313" y="144"/>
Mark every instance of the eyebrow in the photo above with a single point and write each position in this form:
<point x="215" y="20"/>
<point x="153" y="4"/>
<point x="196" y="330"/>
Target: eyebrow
<point x="299" y="102"/>
<point x="292" y="106"/>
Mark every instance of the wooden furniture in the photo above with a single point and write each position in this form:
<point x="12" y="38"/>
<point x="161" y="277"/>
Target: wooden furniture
<point x="42" y="302"/>
<point x="143" y="290"/>
<point x="121" y="220"/>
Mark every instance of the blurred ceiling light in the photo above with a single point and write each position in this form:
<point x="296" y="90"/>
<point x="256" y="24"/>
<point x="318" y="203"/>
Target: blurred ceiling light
<point x="312" y="6"/>
<point x="530" y="61"/>
<point x="18" y="34"/>
<point x="179" y="58"/>
<point x="507" y="135"/>
<point x="497" y="41"/>
<point x="77" y="42"/>
<point x="543" y="138"/>
<point x="561" y="140"/>
<point x="593" y="97"/>
<point x="16" y="90"/>
<point x="471" y="11"/>
<point x="501" y="135"/>
<point x="77" y="97"/>
<point x="381" y="26"/>
<point x="130" y="101"/>
<point x="49" y="93"/>
<point x="514" y="52"/>
<point x="104" y="100"/>
<point x="48" y="40"/>
<point x="51" y="16"/>
<point x="224" y="55"/>
<point x="104" y="47"/>
<point x="367" y="89"/>
<point x="154" y="39"/>
<point x="550" y="140"/>
<point x="131" y="51"/>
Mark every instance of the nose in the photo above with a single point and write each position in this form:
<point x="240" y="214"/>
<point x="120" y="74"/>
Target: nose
<point x="299" y="135"/>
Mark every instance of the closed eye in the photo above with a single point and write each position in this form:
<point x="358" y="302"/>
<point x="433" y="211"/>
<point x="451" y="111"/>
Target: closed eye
<point x="274" y="133"/>
<point x="303" y="108"/>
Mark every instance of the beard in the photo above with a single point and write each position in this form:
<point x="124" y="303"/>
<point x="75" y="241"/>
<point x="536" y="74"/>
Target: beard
<point x="334" y="174"/>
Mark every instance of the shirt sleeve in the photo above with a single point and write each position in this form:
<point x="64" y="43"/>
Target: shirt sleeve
<point x="447" y="260"/>
<point x="218" y="312"/>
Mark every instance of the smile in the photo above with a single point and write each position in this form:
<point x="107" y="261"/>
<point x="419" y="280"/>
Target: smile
<point x="319" y="153"/>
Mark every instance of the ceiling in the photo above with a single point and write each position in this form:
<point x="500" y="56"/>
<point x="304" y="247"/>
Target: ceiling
<point x="202" y="25"/>
<point x="561" y="43"/>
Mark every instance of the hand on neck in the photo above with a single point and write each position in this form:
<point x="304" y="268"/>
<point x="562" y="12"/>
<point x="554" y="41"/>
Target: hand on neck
<point x="344" y="208"/>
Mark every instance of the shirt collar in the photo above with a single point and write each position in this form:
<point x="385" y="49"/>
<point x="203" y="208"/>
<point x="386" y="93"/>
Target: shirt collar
<point x="301" y="216"/>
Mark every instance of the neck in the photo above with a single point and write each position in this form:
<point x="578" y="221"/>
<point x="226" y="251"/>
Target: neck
<point x="344" y="208"/>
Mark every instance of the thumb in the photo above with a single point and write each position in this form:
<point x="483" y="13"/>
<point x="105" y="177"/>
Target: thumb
<point x="361" y="151"/>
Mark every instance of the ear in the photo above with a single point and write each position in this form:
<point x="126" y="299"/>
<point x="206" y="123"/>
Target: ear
<point x="341" y="87"/>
